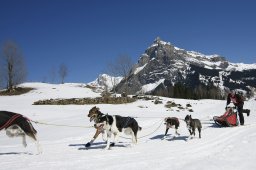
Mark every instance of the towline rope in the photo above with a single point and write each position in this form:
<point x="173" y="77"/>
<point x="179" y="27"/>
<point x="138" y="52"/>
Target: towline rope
<point x="52" y="124"/>
<point x="146" y="134"/>
<point x="80" y="126"/>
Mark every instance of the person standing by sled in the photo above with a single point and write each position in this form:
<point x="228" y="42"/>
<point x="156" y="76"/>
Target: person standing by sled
<point x="238" y="101"/>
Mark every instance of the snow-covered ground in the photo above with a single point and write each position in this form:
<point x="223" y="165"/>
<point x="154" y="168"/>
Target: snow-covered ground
<point x="63" y="146"/>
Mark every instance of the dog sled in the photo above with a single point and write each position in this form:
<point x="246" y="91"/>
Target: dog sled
<point x="228" y="119"/>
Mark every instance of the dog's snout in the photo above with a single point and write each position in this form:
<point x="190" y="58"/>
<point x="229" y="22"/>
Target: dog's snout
<point x="89" y="114"/>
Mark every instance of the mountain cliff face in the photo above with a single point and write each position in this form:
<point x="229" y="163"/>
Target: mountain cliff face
<point x="163" y="66"/>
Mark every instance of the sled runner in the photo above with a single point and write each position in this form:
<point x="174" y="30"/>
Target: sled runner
<point x="228" y="119"/>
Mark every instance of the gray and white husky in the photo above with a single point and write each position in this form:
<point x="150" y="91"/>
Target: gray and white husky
<point x="192" y="125"/>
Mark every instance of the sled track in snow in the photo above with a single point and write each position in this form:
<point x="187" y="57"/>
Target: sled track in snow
<point x="222" y="139"/>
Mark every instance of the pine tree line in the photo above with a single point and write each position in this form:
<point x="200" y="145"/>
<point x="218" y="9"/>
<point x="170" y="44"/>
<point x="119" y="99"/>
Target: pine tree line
<point x="182" y="91"/>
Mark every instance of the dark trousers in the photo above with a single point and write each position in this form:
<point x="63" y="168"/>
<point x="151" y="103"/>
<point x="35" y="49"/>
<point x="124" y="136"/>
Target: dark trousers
<point x="240" y="114"/>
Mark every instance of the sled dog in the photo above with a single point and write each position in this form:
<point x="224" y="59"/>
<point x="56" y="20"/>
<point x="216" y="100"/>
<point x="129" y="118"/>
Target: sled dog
<point x="116" y="124"/>
<point x="192" y="125"/>
<point x="17" y="125"/>
<point x="171" y="122"/>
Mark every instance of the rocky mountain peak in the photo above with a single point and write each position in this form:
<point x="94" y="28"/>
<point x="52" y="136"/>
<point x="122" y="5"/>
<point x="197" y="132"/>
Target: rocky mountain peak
<point x="157" y="40"/>
<point x="160" y="50"/>
<point x="163" y="65"/>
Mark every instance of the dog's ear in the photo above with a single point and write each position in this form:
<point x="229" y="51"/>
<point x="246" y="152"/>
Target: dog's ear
<point x="190" y="116"/>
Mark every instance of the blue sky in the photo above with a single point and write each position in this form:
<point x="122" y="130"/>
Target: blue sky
<point x="86" y="34"/>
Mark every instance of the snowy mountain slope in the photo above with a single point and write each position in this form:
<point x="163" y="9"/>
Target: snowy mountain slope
<point x="105" y="81"/>
<point x="219" y="148"/>
<point x="164" y="61"/>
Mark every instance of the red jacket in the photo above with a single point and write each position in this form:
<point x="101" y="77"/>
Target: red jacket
<point x="236" y="99"/>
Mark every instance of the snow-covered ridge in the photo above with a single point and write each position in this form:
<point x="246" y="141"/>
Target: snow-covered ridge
<point x="138" y="69"/>
<point x="209" y="61"/>
<point x="105" y="81"/>
<point x="158" y="41"/>
<point x="196" y="54"/>
<point x="148" y="87"/>
<point x="240" y="66"/>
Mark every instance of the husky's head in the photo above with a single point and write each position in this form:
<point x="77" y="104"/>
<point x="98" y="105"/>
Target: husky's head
<point x="93" y="113"/>
<point x="188" y="119"/>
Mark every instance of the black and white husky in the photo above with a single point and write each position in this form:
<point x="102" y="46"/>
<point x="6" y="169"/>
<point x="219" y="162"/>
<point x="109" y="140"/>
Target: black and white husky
<point x="17" y="125"/>
<point x="117" y="124"/>
<point x="171" y="122"/>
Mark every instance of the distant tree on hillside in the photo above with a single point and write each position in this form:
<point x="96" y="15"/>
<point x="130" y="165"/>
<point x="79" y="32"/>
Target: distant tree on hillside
<point x="111" y="71"/>
<point x="121" y="66"/>
<point x="52" y="75"/>
<point x="1" y="76"/>
<point x="63" y="72"/>
<point x="12" y="65"/>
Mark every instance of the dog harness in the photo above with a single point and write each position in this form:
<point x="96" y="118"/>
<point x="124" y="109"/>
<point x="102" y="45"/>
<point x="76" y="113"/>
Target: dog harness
<point x="10" y="121"/>
<point x="177" y="120"/>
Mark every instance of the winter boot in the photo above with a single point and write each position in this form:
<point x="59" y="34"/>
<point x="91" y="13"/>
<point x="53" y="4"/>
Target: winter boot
<point x="247" y="111"/>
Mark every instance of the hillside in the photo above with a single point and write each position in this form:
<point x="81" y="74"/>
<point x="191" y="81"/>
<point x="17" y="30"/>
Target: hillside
<point x="63" y="146"/>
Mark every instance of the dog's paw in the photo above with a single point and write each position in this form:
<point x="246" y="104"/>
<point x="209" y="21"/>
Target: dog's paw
<point x="173" y="138"/>
<point x="189" y="138"/>
<point x="24" y="144"/>
<point x="88" y="145"/>
<point x="163" y="138"/>
<point x="112" y="144"/>
<point x="106" y="148"/>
